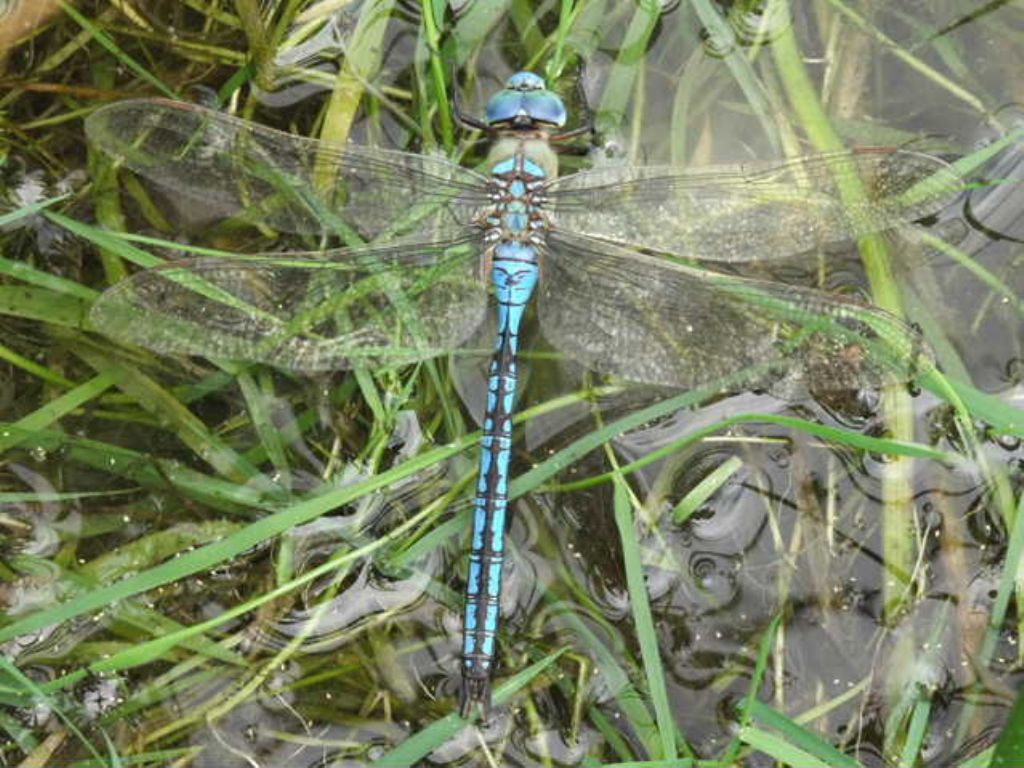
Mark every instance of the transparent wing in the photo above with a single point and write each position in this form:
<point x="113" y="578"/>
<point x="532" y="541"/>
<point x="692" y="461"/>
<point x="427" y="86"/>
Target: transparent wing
<point x="652" y="320"/>
<point x="754" y="211"/>
<point x="364" y="306"/>
<point x="235" y="168"/>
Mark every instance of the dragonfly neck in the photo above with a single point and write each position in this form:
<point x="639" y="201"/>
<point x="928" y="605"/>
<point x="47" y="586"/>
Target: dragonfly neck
<point x="534" y="147"/>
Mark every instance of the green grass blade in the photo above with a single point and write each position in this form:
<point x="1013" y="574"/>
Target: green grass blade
<point x="1009" y="750"/>
<point x="705" y="489"/>
<point x="104" y="40"/>
<point x="53" y="411"/>
<point x="647" y="635"/>
<point x="26" y="211"/>
<point x="800" y="738"/>
<point x="31" y="689"/>
<point x="43" y="305"/>
<point x="200" y="560"/>
<point x="416" y="748"/>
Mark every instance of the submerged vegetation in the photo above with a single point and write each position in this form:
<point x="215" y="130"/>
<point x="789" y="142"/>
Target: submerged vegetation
<point x="221" y="563"/>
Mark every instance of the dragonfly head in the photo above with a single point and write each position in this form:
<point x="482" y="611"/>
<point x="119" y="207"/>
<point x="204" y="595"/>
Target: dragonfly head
<point x="525" y="103"/>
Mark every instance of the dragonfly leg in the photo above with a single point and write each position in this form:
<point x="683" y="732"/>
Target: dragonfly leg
<point x="466" y="121"/>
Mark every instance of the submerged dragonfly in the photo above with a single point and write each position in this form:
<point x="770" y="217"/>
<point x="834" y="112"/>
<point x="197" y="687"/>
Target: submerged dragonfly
<point x="437" y="242"/>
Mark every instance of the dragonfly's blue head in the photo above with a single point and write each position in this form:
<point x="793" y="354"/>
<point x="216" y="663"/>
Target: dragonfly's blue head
<point x="525" y="102"/>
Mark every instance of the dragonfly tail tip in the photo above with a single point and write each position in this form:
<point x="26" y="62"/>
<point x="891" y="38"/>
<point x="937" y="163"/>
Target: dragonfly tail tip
<point x="476" y="693"/>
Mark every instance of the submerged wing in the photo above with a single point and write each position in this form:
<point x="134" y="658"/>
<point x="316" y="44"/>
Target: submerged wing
<point x="653" y="320"/>
<point x="364" y="306"/>
<point x="232" y="167"/>
<point x="754" y="211"/>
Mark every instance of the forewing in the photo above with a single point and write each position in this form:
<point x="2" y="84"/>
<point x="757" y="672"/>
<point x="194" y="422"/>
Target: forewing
<point x="656" y="321"/>
<point x="366" y="306"/>
<point x="235" y="168"/>
<point x="756" y="211"/>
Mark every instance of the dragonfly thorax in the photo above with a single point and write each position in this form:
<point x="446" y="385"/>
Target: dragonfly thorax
<point x="520" y="171"/>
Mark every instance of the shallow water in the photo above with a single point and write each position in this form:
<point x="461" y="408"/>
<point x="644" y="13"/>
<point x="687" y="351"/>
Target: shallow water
<point x="339" y="669"/>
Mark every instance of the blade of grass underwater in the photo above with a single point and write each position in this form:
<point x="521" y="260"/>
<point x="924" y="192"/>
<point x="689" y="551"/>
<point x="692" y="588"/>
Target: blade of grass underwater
<point x="705" y="489"/>
<point x="32" y="303"/>
<point x="643" y="620"/>
<point x="916" y="730"/>
<point x="26" y="273"/>
<point x="780" y="749"/>
<point x="947" y="356"/>
<point x="148" y="651"/>
<point x="800" y="738"/>
<point x="831" y="434"/>
<point x="566" y="18"/>
<point x="104" y="40"/>
<point x="147" y="472"/>
<point x="419" y="746"/>
<point x="33" y="690"/>
<point x="590" y="762"/>
<point x="157" y="757"/>
<point x="153" y="623"/>
<point x="947" y="178"/>
<point x="258" y="43"/>
<point x="973" y="161"/>
<point x="172" y="415"/>
<point x="898" y="534"/>
<point x="113" y="756"/>
<point x="53" y="411"/>
<point x="768" y="642"/>
<point x="998" y="414"/>
<point x="1008" y="583"/>
<point x="185" y="676"/>
<point x="911" y="60"/>
<point x="107" y="208"/>
<point x="143" y="553"/>
<point x="572" y="453"/>
<point x="609" y="661"/>
<point x="32" y="368"/>
<point x="619" y="87"/>
<point x="18" y="734"/>
<point x="433" y="20"/>
<point x="999" y="287"/>
<point x="362" y="61"/>
<point x="25" y="211"/>
<point x="255" y="533"/>
<point x="741" y="67"/>
<point x="257" y="399"/>
<point x="109" y="241"/>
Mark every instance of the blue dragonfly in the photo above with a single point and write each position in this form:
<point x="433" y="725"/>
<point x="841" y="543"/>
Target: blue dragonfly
<point x="615" y="256"/>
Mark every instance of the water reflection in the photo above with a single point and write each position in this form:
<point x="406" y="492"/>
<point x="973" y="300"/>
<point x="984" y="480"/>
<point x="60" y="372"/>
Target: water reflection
<point x="792" y="529"/>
